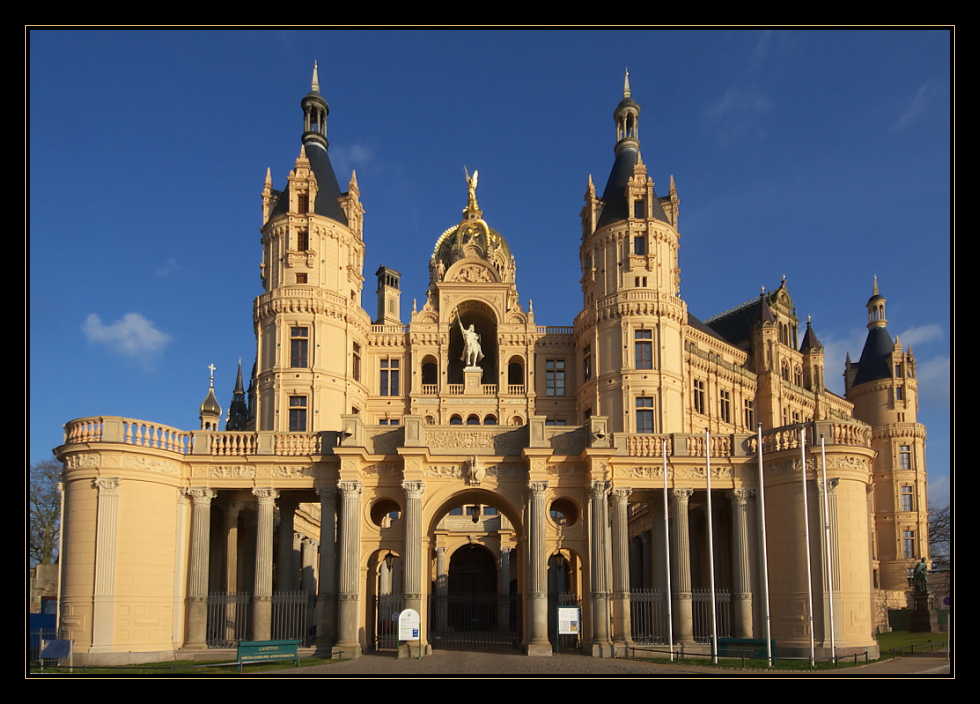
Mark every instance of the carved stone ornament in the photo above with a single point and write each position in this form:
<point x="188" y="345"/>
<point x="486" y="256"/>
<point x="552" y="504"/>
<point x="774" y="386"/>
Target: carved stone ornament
<point x="474" y="472"/>
<point x="232" y="471"/>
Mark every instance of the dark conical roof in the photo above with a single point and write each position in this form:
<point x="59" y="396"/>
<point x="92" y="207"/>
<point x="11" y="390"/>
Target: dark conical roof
<point x="810" y="341"/>
<point x="875" y="360"/>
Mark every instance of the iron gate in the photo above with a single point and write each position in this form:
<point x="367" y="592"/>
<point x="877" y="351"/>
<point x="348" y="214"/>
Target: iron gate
<point x="474" y="620"/>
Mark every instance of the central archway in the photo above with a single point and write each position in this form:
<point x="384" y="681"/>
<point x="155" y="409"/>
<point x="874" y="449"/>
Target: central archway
<point x="474" y="603"/>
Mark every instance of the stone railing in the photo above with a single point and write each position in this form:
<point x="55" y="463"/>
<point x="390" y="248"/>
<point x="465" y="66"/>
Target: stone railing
<point x="128" y="432"/>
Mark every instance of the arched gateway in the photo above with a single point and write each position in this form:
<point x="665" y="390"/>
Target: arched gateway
<point x="474" y="457"/>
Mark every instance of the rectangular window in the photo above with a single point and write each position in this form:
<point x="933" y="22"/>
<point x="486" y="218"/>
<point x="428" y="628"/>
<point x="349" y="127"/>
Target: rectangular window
<point x="640" y="246"/>
<point x="725" y="405"/>
<point x="299" y="347"/>
<point x="644" y="414"/>
<point x="356" y="362"/>
<point x="904" y="457"/>
<point x="643" y="349"/>
<point x="297" y="414"/>
<point x="554" y="421"/>
<point x="699" y="396"/>
<point x="907" y="498"/>
<point x="303" y="202"/>
<point x="554" y="375"/>
<point x="302" y="240"/>
<point x="301" y="279"/>
<point x="587" y="363"/>
<point x="908" y="543"/>
<point x="749" y="412"/>
<point x="389" y="377"/>
<point x="389" y="421"/>
<point x="639" y="210"/>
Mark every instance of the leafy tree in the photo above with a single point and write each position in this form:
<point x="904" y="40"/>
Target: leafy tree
<point x="940" y="526"/>
<point x="45" y="517"/>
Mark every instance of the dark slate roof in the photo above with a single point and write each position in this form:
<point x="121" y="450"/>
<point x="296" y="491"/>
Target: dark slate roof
<point x="705" y="328"/>
<point x="736" y="327"/>
<point x="614" y="197"/>
<point x="875" y="361"/>
<point x="328" y="189"/>
<point x="810" y="341"/>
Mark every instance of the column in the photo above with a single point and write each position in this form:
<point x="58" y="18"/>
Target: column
<point x="681" y="557"/>
<point x="830" y="564"/>
<point x="308" y="550"/>
<point x="741" y="562"/>
<point x="622" y="631"/>
<point x="412" y="564"/>
<point x="538" y="643"/>
<point x="326" y="600"/>
<point x="286" y="564"/>
<point x="599" y="568"/>
<point x="195" y="636"/>
<point x="262" y="596"/>
<point x="503" y="588"/>
<point x="231" y="510"/>
<point x="104" y="592"/>
<point x="349" y="569"/>
<point x="442" y="588"/>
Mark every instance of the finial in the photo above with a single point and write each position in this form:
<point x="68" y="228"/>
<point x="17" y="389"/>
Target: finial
<point x="268" y="176"/>
<point x="626" y="84"/>
<point x="876" y="286"/>
<point x="212" y="368"/>
<point x="471" y="185"/>
<point x="316" y="80"/>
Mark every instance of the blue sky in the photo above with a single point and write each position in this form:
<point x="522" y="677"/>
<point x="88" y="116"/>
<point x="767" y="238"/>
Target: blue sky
<point x="818" y="155"/>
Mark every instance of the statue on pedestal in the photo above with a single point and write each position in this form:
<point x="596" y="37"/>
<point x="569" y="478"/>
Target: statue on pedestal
<point x="472" y="351"/>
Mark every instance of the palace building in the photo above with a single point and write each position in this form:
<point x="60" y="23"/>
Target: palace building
<point x="682" y="482"/>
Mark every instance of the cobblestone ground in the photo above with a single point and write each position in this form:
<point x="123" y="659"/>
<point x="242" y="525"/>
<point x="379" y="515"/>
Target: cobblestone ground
<point x="445" y="663"/>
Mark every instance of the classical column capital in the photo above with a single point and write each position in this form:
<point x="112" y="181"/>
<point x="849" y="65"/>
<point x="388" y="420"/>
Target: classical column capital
<point x="741" y="496"/>
<point x="326" y="493"/>
<point x="266" y="495"/>
<point x="351" y="488"/>
<point x="413" y="489"/>
<point x="620" y="495"/>
<point x="537" y="489"/>
<point x="107" y="485"/>
<point x="682" y="495"/>
<point x="832" y="485"/>
<point x="598" y="488"/>
<point x="199" y="495"/>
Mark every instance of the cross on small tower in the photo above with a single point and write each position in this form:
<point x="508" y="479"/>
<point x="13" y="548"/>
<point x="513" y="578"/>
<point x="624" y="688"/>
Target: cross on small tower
<point x="212" y="368"/>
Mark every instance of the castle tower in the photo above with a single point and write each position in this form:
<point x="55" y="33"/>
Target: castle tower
<point x="309" y="320"/>
<point x="629" y="333"/>
<point x="210" y="411"/>
<point x="238" y="411"/>
<point x="883" y="388"/>
<point x="389" y="296"/>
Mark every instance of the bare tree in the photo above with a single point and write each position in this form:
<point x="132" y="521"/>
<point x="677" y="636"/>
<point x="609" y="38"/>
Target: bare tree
<point x="939" y="536"/>
<point x="45" y="517"/>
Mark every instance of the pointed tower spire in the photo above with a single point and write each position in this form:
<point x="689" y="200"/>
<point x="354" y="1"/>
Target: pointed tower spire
<point x="315" y="111"/>
<point x="210" y="411"/>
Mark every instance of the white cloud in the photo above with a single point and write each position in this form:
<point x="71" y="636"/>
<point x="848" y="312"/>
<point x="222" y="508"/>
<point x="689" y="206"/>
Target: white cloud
<point x="920" y="104"/>
<point x="132" y="336"/>
<point x="923" y="333"/>
<point x="933" y="378"/>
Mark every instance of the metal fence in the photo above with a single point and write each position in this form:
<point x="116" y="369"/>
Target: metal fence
<point x="648" y="616"/>
<point x="702" y="614"/>
<point x="474" y="620"/>
<point x="229" y="618"/>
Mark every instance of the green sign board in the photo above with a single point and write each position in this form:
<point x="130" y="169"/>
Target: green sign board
<point x="253" y="650"/>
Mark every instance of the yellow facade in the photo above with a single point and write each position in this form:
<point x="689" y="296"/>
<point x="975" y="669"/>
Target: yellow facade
<point x="381" y="465"/>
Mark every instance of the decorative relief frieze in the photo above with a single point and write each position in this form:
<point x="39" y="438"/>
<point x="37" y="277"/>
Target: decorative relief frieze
<point x="150" y="464"/>
<point x="288" y="471"/>
<point x="453" y="439"/>
<point x="232" y="471"/>
<point x="642" y="472"/>
<point x="793" y="465"/>
<point x="86" y="461"/>
<point x="565" y="470"/>
<point x="701" y="473"/>
<point x="384" y="469"/>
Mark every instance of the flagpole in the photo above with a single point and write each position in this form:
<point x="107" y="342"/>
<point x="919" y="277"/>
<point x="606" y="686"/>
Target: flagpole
<point x="670" y="609"/>
<point x="765" y="555"/>
<point x="826" y="528"/>
<point x="711" y="552"/>
<point x="806" y="537"/>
